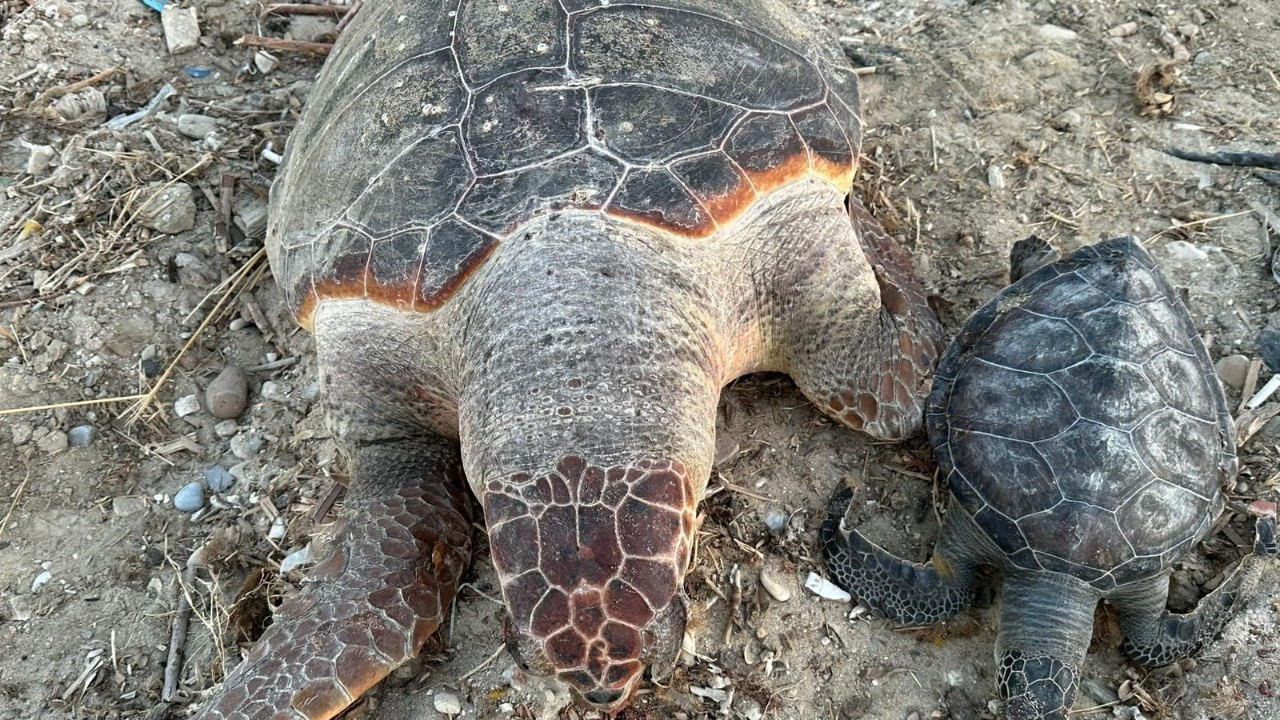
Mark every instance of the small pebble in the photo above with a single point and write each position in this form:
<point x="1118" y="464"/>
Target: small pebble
<point x="169" y="209"/>
<point x="1058" y="33"/>
<point x="190" y="498"/>
<point x="774" y="586"/>
<point x="227" y="394"/>
<point x="151" y="367"/>
<point x="776" y="521"/>
<point x="22" y="433"/>
<point x="218" y="479"/>
<point x="1269" y="348"/>
<point x="181" y="28"/>
<point x="274" y="391"/>
<point x="1232" y="370"/>
<point x="127" y="505"/>
<point x="447" y="703"/>
<point x="196" y="127"/>
<point x="41" y="579"/>
<point x="226" y="428"/>
<point x="53" y="443"/>
<point x="995" y="177"/>
<point x="21" y="608"/>
<point x="186" y="405"/>
<point x="246" y="445"/>
<point x="81" y="435"/>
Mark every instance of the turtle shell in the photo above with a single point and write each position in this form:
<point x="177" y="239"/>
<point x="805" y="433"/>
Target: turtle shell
<point x="437" y="130"/>
<point x="1079" y="421"/>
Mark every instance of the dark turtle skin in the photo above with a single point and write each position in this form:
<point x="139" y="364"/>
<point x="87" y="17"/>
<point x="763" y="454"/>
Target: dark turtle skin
<point x="1086" y="442"/>
<point x="534" y="239"/>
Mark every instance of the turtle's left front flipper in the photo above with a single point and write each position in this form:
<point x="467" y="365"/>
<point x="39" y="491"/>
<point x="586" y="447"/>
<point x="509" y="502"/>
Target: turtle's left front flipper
<point x="909" y="593"/>
<point x="1155" y="637"/>
<point x="369" y="605"/>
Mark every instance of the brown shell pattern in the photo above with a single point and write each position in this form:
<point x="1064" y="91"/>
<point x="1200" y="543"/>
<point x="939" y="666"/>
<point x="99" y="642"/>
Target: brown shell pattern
<point x="434" y="139"/>
<point x="1078" y="419"/>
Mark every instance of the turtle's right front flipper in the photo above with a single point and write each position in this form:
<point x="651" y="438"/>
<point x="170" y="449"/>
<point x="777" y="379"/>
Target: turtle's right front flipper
<point x="400" y="548"/>
<point x="909" y="593"/>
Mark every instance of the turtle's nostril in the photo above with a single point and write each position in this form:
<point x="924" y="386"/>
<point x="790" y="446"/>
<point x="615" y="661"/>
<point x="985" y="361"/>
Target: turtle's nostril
<point x="604" y="696"/>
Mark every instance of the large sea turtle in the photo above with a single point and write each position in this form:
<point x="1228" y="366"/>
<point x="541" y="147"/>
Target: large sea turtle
<point x="1086" y="442"/>
<point x="534" y="239"/>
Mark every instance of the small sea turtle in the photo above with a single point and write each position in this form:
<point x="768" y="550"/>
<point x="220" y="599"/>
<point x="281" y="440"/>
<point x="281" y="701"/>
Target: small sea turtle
<point x="1085" y="439"/>
<point x="534" y="239"/>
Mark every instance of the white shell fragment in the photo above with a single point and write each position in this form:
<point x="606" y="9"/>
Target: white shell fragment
<point x="296" y="559"/>
<point x="774" y="586"/>
<point x="826" y="589"/>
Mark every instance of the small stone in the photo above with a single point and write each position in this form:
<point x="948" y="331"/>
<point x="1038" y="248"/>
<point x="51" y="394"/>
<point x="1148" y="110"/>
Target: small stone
<point x="774" y="586"/>
<point x="181" y="28"/>
<point x="447" y="703"/>
<point x="41" y="580"/>
<point x="995" y="177"/>
<point x="274" y="391"/>
<point x="197" y="127"/>
<point x="246" y="445"/>
<point x="1232" y="370"/>
<point x="79" y="20"/>
<point x="1183" y="251"/>
<point x="218" y="479"/>
<point x="127" y="505"/>
<point x="1269" y="348"/>
<point x="265" y="62"/>
<point x="226" y="428"/>
<point x="227" y="394"/>
<point x="190" y="498"/>
<point x="166" y="208"/>
<point x="39" y="159"/>
<point x="1057" y="33"/>
<point x="151" y="367"/>
<point x="22" y="433"/>
<point x="1123" y="30"/>
<point x="776" y="521"/>
<point x="186" y="405"/>
<point x="81" y="435"/>
<point x="53" y="443"/>
<point x="21" y="608"/>
<point x="1068" y="121"/>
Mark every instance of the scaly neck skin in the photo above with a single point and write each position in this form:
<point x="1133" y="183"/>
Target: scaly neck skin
<point x="587" y="423"/>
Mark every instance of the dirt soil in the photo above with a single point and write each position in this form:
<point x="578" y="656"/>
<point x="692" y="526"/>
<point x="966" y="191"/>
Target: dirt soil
<point x="989" y="121"/>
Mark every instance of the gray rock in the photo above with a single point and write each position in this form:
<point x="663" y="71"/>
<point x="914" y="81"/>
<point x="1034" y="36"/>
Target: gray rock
<point x="169" y="209"/>
<point x="53" y="443"/>
<point x="181" y="28"/>
<point x="447" y="703"/>
<point x="190" y="498"/>
<point x="81" y="435"/>
<point x="227" y="394"/>
<point x="22" y="433"/>
<point x="186" y="405"/>
<point x="218" y="479"/>
<point x="22" y="608"/>
<point x="226" y="428"/>
<point x="127" y="505"/>
<point x="1232" y="370"/>
<point x="246" y="445"/>
<point x="197" y="127"/>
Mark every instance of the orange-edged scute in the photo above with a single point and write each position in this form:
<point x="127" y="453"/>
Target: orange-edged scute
<point x="434" y="143"/>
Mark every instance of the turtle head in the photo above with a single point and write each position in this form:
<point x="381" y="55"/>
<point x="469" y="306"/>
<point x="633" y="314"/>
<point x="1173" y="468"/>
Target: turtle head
<point x="591" y="561"/>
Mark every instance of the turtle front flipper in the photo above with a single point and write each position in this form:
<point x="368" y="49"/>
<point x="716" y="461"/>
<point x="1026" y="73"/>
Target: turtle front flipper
<point x="909" y="593"/>
<point x="863" y="340"/>
<point x="1046" y="622"/>
<point x="1155" y="637"/>
<point x="371" y="603"/>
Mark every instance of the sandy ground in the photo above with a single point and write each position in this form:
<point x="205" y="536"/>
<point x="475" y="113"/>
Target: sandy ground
<point x="990" y="121"/>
